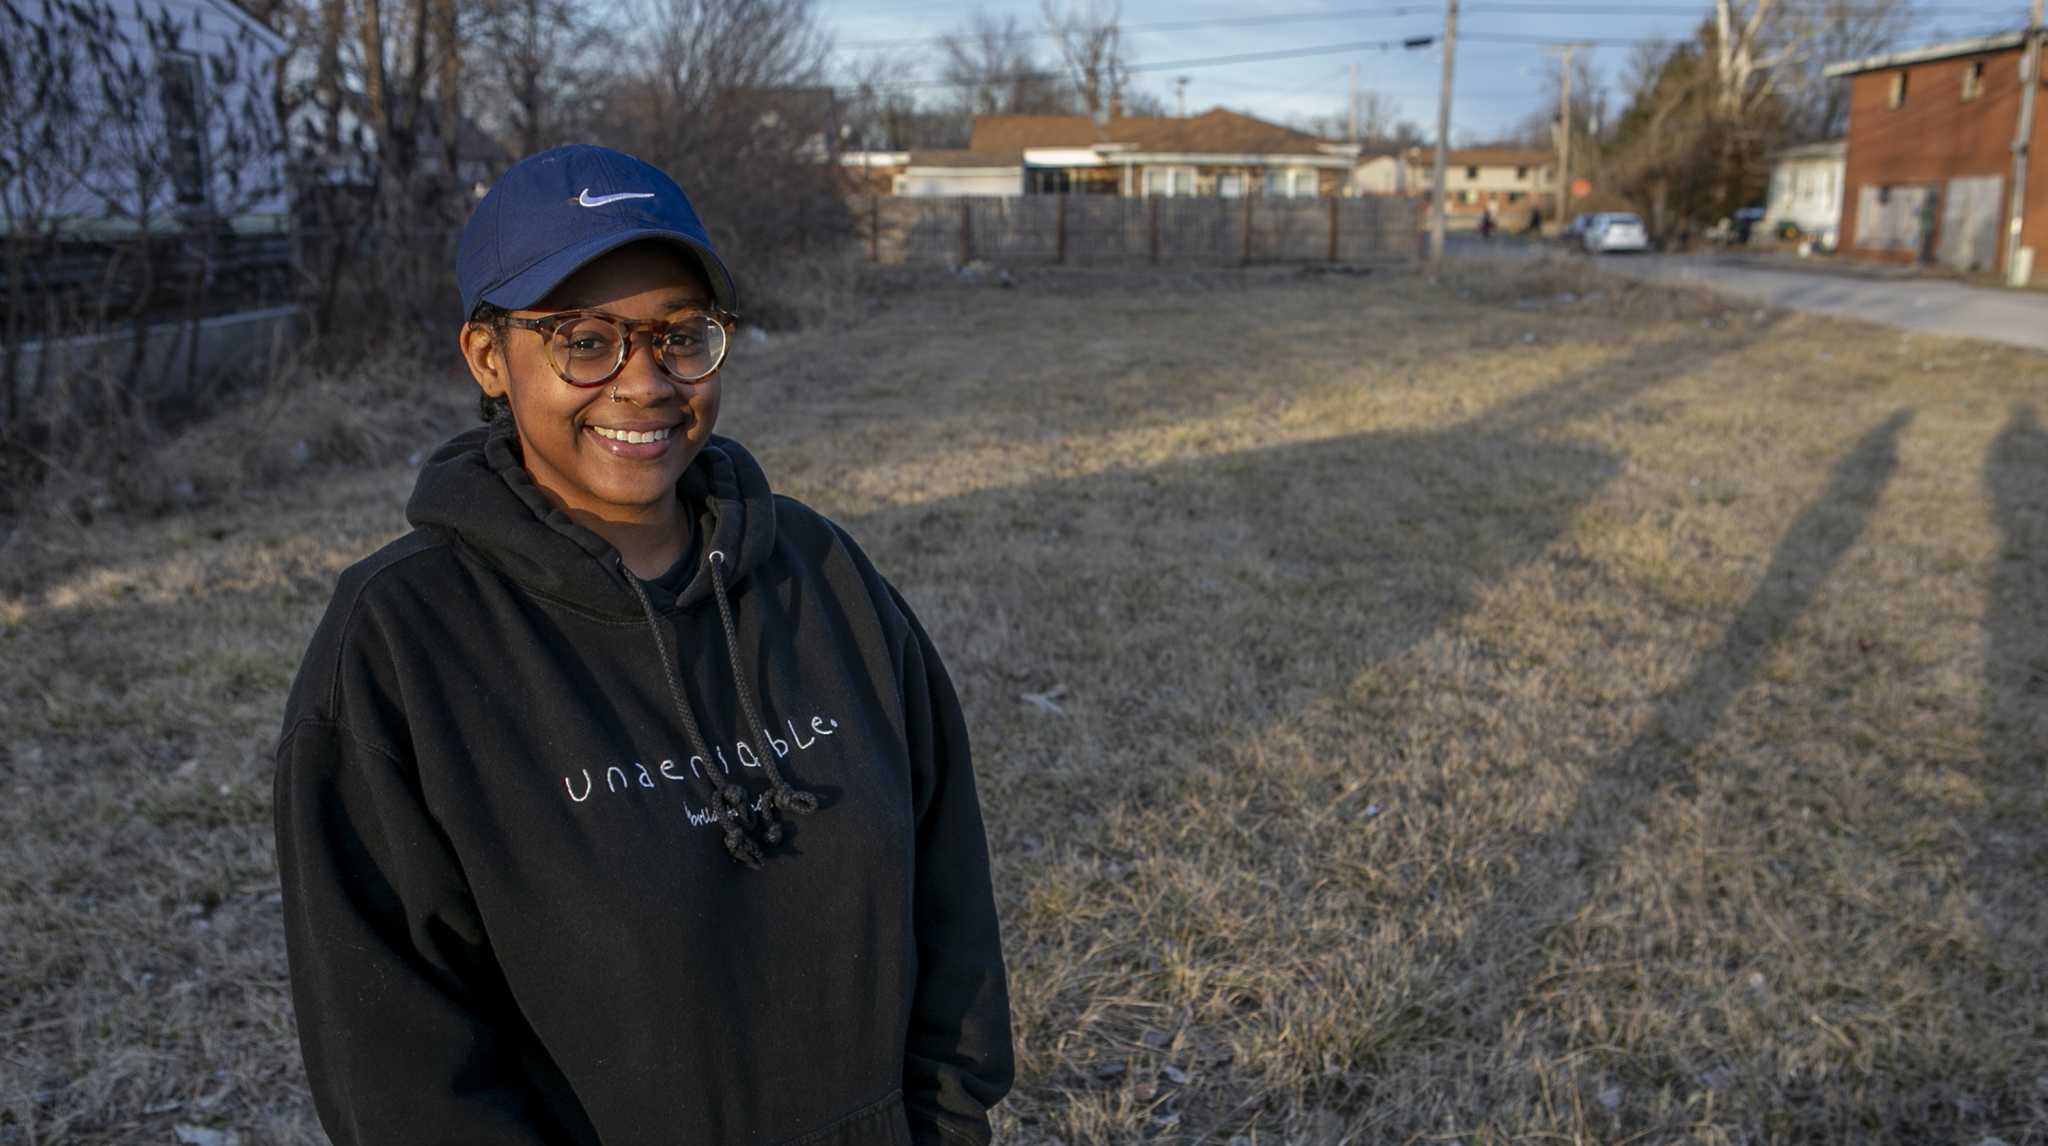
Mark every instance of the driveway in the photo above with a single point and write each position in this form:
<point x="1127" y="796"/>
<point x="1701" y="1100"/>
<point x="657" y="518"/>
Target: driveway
<point x="2016" y="317"/>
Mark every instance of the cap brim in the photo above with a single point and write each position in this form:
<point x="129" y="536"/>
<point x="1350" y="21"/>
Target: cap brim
<point x="533" y="284"/>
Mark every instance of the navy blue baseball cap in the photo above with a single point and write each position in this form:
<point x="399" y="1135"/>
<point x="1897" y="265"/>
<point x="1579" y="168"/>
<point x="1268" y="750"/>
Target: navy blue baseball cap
<point x="552" y="212"/>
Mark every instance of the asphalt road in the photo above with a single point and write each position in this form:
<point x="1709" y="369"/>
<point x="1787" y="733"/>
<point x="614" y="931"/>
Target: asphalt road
<point x="2019" y="318"/>
<point x="1929" y="306"/>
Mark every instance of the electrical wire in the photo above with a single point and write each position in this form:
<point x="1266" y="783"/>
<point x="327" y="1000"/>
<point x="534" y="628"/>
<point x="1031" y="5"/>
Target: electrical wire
<point x="1497" y="7"/>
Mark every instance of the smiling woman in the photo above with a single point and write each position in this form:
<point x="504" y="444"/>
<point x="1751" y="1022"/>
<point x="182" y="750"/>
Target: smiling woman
<point x="602" y="596"/>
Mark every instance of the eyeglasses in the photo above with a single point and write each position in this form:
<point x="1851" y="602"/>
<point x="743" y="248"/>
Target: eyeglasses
<point x="589" y="347"/>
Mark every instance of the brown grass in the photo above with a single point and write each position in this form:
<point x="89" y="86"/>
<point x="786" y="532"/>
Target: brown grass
<point x="1481" y="715"/>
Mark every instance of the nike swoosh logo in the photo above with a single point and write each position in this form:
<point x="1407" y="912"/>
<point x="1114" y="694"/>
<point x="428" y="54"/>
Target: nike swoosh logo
<point x="585" y="200"/>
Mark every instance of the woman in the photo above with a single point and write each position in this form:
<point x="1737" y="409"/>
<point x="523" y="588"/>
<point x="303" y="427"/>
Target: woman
<point x="621" y="800"/>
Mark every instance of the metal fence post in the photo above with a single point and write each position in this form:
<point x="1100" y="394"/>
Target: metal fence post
<point x="1335" y="201"/>
<point x="874" y="226"/>
<point x="1155" y="229"/>
<point x="966" y="231"/>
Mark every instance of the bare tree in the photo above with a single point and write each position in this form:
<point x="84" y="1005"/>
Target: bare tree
<point x="1379" y="121"/>
<point x="729" y="97"/>
<point x="1089" y="37"/>
<point x="529" y="59"/>
<point x="881" y="115"/>
<point x="992" y="71"/>
<point x="1828" y="32"/>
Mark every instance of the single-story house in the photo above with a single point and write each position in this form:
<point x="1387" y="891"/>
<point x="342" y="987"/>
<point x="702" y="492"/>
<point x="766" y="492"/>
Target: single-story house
<point x="1929" y="155"/>
<point x="1806" y="190"/>
<point x="1218" y="153"/>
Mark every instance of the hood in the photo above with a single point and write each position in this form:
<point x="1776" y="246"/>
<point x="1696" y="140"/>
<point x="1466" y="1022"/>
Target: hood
<point x="475" y="485"/>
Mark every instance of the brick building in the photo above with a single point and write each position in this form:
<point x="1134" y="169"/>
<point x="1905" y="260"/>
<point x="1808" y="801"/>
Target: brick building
<point x="1929" y="161"/>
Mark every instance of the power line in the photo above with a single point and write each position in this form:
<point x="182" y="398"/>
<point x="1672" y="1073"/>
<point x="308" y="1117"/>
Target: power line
<point x="1497" y="7"/>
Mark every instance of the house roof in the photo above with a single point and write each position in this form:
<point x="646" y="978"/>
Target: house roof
<point x="242" y="15"/>
<point x="1825" y="149"/>
<point x="1014" y="133"/>
<point x="1996" y="43"/>
<point x="1217" y="131"/>
<point x="964" y="157"/>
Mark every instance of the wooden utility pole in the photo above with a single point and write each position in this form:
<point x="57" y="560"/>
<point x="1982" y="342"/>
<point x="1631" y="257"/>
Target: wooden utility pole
<point x="1564" y="127"/>
<point x="1354" y="103"/>
<point x="2022" y="141"/>
<point x="1443" y="137"/>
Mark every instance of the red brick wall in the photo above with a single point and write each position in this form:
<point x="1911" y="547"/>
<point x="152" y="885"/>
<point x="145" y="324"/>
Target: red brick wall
<point x="1936" y="135"/>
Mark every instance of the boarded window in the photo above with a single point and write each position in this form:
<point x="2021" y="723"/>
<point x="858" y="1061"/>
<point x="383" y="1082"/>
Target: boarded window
<point x="1973" y="80"/>
<point x="1898" y="93"/>
<point x="1894" y="218"/>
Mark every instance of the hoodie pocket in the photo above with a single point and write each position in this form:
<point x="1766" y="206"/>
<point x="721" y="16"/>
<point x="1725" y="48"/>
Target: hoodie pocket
<point x="879" y="1123"/>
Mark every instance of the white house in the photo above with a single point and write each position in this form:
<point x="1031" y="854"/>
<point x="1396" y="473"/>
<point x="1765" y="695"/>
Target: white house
<point x="1806" y="190"/>
<point x="143" y="128"/>
<point x="1476" y="179"/>
<point x="194" y="117"/>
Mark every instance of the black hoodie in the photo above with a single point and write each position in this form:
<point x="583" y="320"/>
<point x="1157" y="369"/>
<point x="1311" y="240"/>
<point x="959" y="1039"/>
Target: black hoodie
<point x="507" y="827"/>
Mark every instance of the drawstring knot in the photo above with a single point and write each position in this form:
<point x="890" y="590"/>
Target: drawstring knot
<point x="728" y="802"/>
<point x="784" y="798"/>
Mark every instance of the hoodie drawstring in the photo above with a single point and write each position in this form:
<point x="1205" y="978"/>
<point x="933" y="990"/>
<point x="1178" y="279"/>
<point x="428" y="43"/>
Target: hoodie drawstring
<point x="727" y="800"/>
<point x="783" y="796"/>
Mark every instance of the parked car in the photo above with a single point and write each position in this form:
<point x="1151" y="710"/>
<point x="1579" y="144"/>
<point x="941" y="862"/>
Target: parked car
<point x="1615" y="231"/>
<point x="1575" y="230"/>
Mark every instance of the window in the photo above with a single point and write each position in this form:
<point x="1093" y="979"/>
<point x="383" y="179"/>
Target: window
<point x="179" y="77"/>
<point x="1230" y="186"/>
<point x="1291" y="182"/>
<point x="1973" y="80"/>
<point x="1521" y="173"/>
<point x="1898" y="95"/>
<point x="1169" y="181"/>
<point x="1471" y="173"/>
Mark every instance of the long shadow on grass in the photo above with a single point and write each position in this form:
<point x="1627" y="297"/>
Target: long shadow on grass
<point x="2016" y="661"/>
<point x="1560" y="873"/>
<point x="1316" y="559"/>
<point x="1188" y="605"/>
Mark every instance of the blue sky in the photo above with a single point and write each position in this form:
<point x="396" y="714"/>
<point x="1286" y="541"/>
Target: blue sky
<point x="1497" y="83"/>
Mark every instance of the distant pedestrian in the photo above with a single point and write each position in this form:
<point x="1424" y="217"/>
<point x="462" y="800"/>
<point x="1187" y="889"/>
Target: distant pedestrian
<point x="623" y="800"/>
<point x="1486" y="223"/>
<point x="1535" y="226"/>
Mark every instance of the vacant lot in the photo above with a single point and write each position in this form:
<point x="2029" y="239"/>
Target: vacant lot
<point x="1405" y="713"/>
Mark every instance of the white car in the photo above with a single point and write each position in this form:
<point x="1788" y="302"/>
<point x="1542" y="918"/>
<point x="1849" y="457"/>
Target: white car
<point x="1615" y="231"/>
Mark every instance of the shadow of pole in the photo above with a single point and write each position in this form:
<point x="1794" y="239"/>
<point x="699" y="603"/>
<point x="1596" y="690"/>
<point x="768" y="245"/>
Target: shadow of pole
<point x="2016" y="619"/>
<point x="1558" y="877"/>
<point x="2015" y="673"/>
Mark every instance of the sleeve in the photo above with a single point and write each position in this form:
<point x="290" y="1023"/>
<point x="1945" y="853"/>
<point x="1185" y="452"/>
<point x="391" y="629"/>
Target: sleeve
<point x="958" y="1063"/>
<point x="408" y="1030"/>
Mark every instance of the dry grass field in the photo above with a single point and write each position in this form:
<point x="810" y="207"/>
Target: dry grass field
<point x="1404" y="713"/>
